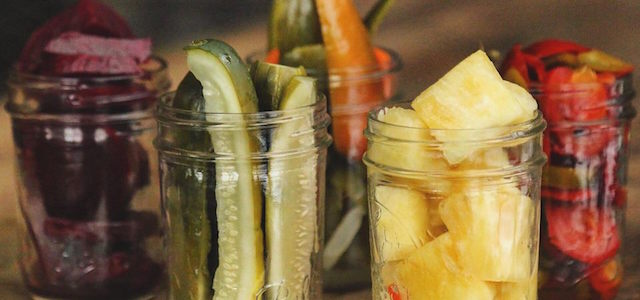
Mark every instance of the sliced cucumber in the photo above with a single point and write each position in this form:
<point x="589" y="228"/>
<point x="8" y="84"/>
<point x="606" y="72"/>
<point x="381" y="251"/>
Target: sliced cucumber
<point x="227" y="88"/>
<point x="312" y="57"/>
<point x="189" y="233"/>
<point x="293" y="23"/>
<point x="291" y="198"/>
<point x="188" y="198"/>
<point x="270" y="81"/>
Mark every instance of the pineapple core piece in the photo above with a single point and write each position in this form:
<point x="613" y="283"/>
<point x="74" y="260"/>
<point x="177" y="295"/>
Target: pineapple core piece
<point x="430" y="273"/>
<point x="472" y="96"/>
<point x="402" y="221"/>
<point x="491" y="227"/>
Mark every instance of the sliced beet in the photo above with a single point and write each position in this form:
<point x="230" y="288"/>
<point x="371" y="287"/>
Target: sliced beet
<point x="62" y="64"/>
<point x="87" y="16"/>
<point x="76" y="43"/>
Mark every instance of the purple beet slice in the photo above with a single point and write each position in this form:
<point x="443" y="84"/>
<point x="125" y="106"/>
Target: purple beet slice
<point x="76" y="43"/>
<point x="87" y="16"/>
<point x="62" y="64"/>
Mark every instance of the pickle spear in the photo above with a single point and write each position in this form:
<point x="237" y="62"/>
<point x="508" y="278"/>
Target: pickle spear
<point x="293" y="23"/>
<point x="227" y="88"/>
<point x="192" y="227"/>
<point x="270" y="82"/>
<point x="291" y="197"/>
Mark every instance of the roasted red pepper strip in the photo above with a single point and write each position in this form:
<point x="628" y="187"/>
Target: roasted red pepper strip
<point x="607" y="279"/>
<point x="551" y="47"/>
<point x="515" y="59"/>
<point x="392" y="290"/>
<point x="585" y="233"/>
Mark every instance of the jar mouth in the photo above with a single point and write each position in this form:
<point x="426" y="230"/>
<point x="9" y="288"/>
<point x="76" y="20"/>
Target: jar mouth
<point x="389" y="62"/>
<point x="494" y="135"/>
<point x="152" y="68"/>
<point x="168" y="114"/>
<point x="173" y="123"/>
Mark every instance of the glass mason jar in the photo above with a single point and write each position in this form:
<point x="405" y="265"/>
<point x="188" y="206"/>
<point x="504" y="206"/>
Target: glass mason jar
<point x="584" y="187"/>
<point x="352" y="94"/>
<point x="86" y="183"/>
<point x="463" y="231"/>
<point x="250" y="207"/>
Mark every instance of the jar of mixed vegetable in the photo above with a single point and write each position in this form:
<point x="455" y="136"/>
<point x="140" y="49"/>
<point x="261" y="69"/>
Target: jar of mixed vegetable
<point x="242" y="161"/>
<point x="586" y="96"/>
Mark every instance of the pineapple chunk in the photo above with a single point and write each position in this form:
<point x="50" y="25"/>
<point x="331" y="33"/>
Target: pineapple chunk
<point x="408" y="156"/>
<point x="472" y="96"/>
<point x="524" y="290"/>
<point x="492" y="230"/>
<point x="487" y="158"/>
<point x="430" y="273"/>
<point x="402" y="221"/>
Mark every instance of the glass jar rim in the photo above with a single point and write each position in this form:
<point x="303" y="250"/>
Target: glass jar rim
<point x="167" y="114"/>
<point x="498" y="134"/>
<point x="345" y="75"/>
<point x="17" y="77"/>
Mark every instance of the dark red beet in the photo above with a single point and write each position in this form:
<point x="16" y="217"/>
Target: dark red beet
<point x="87" y="16"/>
<point x="62" y="64"/>
<point x="76" y="43"/>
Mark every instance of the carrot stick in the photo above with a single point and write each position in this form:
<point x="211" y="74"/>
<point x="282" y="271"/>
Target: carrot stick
<point x="349" y="55"/>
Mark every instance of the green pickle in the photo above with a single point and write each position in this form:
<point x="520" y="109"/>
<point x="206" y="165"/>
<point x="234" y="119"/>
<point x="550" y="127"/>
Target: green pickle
<point x="293" y="23"/>
<point x="189" y="210"/>
<point x="291" y="195"/>
<point x="215" y="210"/>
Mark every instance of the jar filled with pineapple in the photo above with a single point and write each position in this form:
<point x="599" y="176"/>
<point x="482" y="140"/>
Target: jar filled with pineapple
<point x="454" y="189"/>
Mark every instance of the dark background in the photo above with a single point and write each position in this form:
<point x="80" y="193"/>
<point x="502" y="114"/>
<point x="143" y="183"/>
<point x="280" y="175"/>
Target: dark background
<point x="431" y="37"/>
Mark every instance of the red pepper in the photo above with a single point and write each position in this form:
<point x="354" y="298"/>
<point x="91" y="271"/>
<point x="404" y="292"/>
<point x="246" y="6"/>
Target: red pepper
<point x="583" y="232"/>
<point x="515" y="59"/>
<point x="552" y="47"/>
<point x="568" y="195"/>
<point x="607" y="279"/>
<point x="392" y="290"/>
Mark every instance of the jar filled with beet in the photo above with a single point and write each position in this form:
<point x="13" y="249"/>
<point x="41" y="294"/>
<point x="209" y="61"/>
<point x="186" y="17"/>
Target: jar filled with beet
<point x="81" y="100"/>
<point x="586" y="97"/>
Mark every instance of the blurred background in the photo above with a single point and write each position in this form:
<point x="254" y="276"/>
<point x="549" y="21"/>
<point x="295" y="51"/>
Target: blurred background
<point x="430" y="36"/>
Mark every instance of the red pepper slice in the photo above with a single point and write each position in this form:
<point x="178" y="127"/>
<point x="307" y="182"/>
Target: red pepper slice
<point x="585" y="233"/>
<point x="573" y="95"/>
<point x="582" y="142"/>
<point x="566" y="195"/>
<point x="536" y="65"/>
<point x="607" y="279"/>
<point x="393" y="292"/>
<point x="551" y="47"/>
<point x="515" y="59"/>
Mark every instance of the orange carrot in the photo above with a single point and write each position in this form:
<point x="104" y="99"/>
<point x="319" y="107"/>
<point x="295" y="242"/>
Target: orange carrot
<point x="349" y="55"/>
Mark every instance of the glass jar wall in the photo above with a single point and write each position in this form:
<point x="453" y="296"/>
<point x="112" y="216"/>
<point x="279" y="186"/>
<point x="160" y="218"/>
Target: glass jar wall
<point x="584" y="187"/>
<point x="243" y="201"/>
<point x="454" y="231"/>
<point x="87" y="183"/>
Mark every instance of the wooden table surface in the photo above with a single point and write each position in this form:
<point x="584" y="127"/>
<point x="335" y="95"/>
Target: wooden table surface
<point x="430" y="36"/>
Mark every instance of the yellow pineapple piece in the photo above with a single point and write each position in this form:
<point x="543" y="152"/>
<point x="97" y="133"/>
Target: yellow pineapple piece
<point x="430" y="273"/>
<point x="524" y="290"/>
<point x="402" y="221"/>
<point x="405" y="155"/>
<point x="472" y="96"/>
<point x="491" y="227"/>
